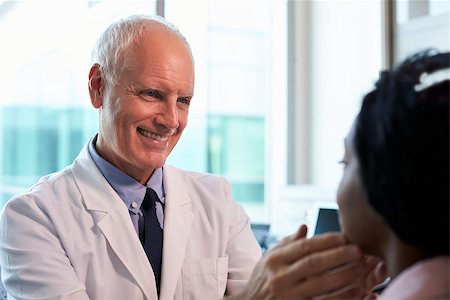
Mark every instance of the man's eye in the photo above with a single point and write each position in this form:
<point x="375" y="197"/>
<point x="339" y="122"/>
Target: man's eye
<point x="184" y="100"/>
<point x="153" y="94"/>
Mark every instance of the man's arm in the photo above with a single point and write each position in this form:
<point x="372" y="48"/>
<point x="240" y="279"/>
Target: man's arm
<point x="299" y="268"/>
<point x="80" y="295"/>
<point x="34" y="264"/>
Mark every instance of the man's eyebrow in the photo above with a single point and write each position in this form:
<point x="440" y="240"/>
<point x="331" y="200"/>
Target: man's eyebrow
<point x="137" y="88"/>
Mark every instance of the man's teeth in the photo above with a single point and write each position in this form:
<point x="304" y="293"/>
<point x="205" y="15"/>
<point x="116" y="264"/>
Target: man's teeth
<point x="152" y="135"/>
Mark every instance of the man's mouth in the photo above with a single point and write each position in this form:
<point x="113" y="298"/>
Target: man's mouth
<point x="152" y="135"/>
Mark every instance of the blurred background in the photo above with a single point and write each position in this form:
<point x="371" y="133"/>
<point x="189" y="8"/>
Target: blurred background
<point x="278" y="84"/>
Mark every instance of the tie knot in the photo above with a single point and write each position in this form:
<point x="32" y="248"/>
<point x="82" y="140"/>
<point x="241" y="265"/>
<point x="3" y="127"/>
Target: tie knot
<point x="150" y="199"/>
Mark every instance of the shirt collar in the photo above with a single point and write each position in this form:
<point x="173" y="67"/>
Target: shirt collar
<point x="129" y="189"/>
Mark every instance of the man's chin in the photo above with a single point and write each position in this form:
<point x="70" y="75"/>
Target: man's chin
<point x="155" y="162"/>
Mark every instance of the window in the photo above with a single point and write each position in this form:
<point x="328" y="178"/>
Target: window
<point x="45" y="111"/>
<point x="278" y="84"/>
<point x="335" y="57"/>
<point x="239" y="51"/>
<point x="419" y="25"/>
<point x="46" y="116"/>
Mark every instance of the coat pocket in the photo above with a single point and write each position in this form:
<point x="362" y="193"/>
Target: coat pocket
<point x="205" y="278"/>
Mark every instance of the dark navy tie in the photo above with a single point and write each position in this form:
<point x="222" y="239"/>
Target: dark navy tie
<point x="151" y="234"/>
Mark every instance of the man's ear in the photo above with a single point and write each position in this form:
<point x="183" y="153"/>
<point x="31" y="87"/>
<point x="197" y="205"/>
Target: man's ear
<point x="96" y="86"/>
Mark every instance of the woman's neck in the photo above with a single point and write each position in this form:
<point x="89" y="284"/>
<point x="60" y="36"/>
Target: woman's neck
<point x="399" y="256"/>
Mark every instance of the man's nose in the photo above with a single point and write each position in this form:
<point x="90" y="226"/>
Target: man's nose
<point x="168" y="116"/>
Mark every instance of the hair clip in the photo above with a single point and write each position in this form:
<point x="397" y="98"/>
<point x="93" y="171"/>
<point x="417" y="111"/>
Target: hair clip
<point x="428" y="80"/>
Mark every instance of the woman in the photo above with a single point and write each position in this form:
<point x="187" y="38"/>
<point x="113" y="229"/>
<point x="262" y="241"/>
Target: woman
<point x="393" y="200"/>
<point x="394" y="194"/>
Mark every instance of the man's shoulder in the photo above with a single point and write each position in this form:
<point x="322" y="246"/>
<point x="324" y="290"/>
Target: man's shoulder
<point x="56" y="184"/>
<point x="205" y="187"/>
<point x="193" y="176"/>
<point x="47" y="187"/>
<point x="52" y="180"/>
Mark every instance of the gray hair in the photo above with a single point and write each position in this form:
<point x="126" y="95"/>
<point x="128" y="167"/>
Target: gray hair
<point x="110" y="49"/>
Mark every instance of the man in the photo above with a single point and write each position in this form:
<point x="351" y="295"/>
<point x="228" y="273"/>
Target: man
<point x="76" y="232"/>
<point x="119" y="223"/>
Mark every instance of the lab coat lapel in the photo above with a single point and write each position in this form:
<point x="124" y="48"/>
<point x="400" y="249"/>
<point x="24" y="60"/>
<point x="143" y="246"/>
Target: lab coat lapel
<point x="112" y="217"/>
<point x="178" y="217"/>
<point x="131" y="254"/>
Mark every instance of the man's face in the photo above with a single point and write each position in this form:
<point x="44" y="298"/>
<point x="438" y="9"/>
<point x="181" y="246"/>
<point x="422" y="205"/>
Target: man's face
<point x="143" y="115"/>
<point x="360" y="222"/>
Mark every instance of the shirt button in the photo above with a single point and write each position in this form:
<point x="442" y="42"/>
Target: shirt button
<point x="134" y="204"/>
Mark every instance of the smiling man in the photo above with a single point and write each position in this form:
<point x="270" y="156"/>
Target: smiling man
<point x="119" y="223"/>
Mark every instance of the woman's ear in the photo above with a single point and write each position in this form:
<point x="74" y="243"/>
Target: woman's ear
<point x="96" y="86"/>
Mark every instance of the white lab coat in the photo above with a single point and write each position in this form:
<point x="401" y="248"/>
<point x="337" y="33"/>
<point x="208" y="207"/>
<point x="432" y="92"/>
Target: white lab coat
<point x="71" y="233"/>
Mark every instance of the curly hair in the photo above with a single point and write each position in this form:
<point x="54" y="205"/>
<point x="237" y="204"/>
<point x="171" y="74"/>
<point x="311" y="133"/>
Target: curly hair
<point x="402" y="143"/>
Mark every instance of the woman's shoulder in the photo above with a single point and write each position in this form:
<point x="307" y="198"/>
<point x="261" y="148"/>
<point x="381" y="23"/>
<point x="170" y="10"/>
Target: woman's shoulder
<point x="426" y="279"/>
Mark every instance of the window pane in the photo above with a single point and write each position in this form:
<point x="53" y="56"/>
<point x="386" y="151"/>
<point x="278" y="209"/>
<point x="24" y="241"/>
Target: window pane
<point x="420" y="25"/>
<point x="45" y="111"/>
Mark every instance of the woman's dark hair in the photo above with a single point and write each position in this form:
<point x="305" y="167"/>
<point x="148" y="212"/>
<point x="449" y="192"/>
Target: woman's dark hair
<point x="402" y="142"/>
